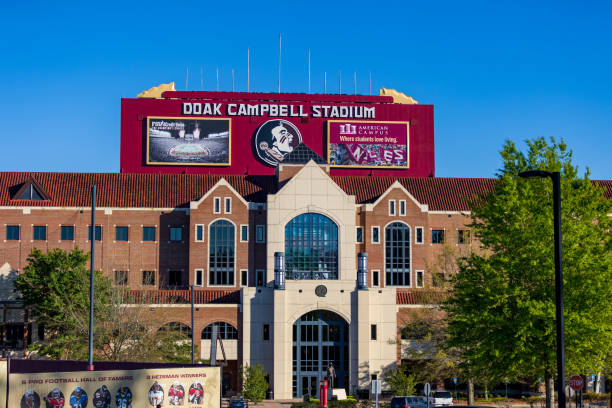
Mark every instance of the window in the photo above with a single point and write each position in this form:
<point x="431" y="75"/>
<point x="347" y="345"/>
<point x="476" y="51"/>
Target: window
<point x="244" y="233"/>
<point x="420" y="279"/>
<point x="402" y="207"/>
<point x="121" y="233"/>
<point x="372" y="332"/>
<point x="67" y="233"/>
<point x="375" y="278"/>
<point x="228" y="205"/>
<point x="463" y="236"/>
<point x="419" y="235"/>
<point x="260" y="277"/>
<point x="391" y="207"/>
<point x="260" y="234"/>
<point x="175" y="278"/>
<point x="179" y="331"/>
<point x="121" y="278"/>
<point x="359" y="234"/>
<point x="176" y="234"/>
<point x="12" y="232"/>
<point x="98" y="233"/>
<point x="311" y="247"/>
<point x="148" y="278"/>
<point x="221" y="253"/>
<point x="40" y="233"/>
<point x="437" y="236"/>
<point x="224" y="330"/>
<point x="217" y="205"/>
<point x="30" y="193"/>
<point x="244" y="277"/>
<point x="375" y="235"/>
<point x="199" y="233"/>
<point x="266" y="332"/>
<point x="148" y="233"/>
<point x="397" y="255"/>
<point x="199" y="277"/>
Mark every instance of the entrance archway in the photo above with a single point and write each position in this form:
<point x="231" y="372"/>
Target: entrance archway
<point x="320" y="337"/>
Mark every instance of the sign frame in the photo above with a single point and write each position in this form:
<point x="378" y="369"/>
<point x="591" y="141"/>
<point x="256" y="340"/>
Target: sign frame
<point x="366" y="166"/>
<point x="147" y="152"/>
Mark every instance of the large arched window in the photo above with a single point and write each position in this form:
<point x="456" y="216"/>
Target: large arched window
<point x="311" y="247"/>
<point x="221" y="250"/>
<point x="397" y="254"/>
<point x="226" y="331"/>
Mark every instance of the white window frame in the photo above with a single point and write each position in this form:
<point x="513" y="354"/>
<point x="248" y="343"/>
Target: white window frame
<point x="357" y="235"/>
<point x="244" y="284"/>
<point x="257" y="229"/>
<point x="378" y="272"/>
<point x="372" y="234"/>
<point x="60" y="231"/>
<point x="402" y="208"/>
<point x="416" y="278"/>
<point x="416" y="229"/>
<point x="217" y="204"/>
<point x="195" y="277"/>
<point x="227" y="205"/>
<point x="195" y="233"/>
<point x="247" y="232"/>
<point x="392" y="209"/>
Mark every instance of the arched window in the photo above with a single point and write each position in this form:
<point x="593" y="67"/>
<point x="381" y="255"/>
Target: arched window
<point x="226" y="331"/>
<point x="180" y="330"/>
<point x="311" y="247"/>
<point x="397" y="254"/>
<point x="221" y="250"/>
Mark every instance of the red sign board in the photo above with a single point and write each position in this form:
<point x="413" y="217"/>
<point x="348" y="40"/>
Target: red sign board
<point x="576" y="383"/>
<point x="252" y="133"/>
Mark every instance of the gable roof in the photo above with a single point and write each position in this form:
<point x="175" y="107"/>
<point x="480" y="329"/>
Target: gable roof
<point x="120" y="190"/>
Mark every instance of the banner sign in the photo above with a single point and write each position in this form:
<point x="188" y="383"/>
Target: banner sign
<point x="188" y="141"/>
<point x="367" y="144"/>
<point x="190" y="387"/>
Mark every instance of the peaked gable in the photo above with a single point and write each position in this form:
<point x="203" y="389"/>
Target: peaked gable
<point x="222" y="182"/>
<point x="30" y="190"/>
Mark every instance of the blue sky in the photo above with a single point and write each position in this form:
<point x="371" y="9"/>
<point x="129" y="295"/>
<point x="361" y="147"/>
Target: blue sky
<point x="494" y="70"/>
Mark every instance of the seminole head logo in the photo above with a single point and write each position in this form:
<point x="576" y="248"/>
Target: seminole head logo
<point x="275" y="139"/>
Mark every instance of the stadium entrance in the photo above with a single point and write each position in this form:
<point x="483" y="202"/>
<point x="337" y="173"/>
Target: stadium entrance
<point x="320" y="339"/>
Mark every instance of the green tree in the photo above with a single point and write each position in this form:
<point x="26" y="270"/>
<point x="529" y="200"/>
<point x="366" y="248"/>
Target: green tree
<point x="399" y="382"/>
<point x="55" y="287"/>
<point x="502" y="309"/>
<point x="254" y="384"/>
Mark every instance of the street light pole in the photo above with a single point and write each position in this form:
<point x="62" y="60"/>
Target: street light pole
<point x="556" y="180"/>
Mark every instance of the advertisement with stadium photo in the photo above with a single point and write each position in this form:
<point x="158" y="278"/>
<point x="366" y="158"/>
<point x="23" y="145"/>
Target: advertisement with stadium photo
<point x="188" y="141"/>
<point x="367" y="144"/>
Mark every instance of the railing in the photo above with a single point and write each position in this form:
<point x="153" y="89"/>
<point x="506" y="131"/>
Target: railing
<point x="421" y="296"/>
<point x="182" y="296"/>
<point x="310" y="275"/>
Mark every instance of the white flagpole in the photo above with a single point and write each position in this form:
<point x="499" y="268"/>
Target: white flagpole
<point x="280" y="39"/>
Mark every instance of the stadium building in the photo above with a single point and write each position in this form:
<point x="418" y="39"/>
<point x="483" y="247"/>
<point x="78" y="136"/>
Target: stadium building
<point x="309" y="226"/>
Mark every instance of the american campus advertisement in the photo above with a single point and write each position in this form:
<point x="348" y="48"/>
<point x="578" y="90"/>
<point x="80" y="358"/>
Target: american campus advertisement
<point x="367" y="144"/>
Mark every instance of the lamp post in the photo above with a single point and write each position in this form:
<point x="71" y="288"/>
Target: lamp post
<point x="556" y="180"/>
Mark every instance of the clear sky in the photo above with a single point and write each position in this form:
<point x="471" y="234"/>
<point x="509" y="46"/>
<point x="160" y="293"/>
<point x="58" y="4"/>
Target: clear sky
<point x="494" y="70"/>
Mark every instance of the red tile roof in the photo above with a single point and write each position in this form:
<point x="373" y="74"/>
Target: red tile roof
<point x="420" y="297"/>
<point x="450" y="194"/>
<point x="128" y="190"/>
<point x="177" y="190"/>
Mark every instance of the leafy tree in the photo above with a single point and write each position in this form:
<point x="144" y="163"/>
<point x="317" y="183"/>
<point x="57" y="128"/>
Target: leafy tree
<point x="502" y="309"/>
<point x="254" y="384"/>
<point x="399" y="383"/>
<point x="55" y="287"/>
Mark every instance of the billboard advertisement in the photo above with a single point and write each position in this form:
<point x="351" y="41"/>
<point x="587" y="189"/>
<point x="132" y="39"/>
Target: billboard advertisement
<point x="186" y="141"/>
<point x="166" y="387"/>
<point x="367" y="144"/>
